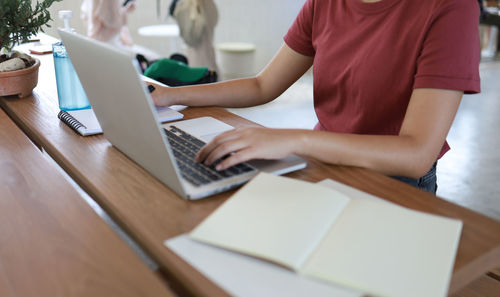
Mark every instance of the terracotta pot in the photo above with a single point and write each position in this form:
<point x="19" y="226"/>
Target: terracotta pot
<point x="19" y="82"/>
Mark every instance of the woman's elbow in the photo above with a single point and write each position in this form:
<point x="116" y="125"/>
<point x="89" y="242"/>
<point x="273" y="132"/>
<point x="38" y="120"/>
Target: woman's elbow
<point x="419" y="164"/>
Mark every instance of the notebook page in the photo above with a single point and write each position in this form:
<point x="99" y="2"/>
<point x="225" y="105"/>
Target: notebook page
<point x="351" y="192"/>
<point x="88" y="119"/>
<point x="275" y="218"/>
<point x="387" y="250"/>
<point x="242" y="275"/>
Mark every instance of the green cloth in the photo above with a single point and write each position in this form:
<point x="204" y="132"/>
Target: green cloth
<point x="168" y="68"/>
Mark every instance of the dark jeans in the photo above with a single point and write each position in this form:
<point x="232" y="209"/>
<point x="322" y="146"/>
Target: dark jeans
<point x="428" y="182"/>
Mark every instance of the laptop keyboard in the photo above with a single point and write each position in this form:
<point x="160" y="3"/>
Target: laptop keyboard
<point x="185" y="147"/>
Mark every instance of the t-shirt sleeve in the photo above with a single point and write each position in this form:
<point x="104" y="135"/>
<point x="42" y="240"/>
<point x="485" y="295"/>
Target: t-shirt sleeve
<point x="299" y="36"/>
<point x="451" y="51"/>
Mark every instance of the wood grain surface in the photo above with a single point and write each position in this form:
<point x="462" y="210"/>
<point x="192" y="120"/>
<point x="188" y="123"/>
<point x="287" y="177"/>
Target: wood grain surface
<point x="150" y="212"/>
<point x="484" y="286"/>
<point x="51" y="242"/>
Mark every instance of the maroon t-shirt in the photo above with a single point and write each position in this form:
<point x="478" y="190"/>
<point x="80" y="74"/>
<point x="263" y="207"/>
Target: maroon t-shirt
<point x="368" y="57"/>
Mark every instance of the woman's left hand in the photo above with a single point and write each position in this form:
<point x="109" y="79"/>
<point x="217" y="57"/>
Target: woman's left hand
<point x="247" y="143"/>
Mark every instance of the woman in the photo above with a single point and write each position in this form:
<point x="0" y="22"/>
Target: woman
<point x="389" y="76"/>
<point x="197" y="20"/>
<point x="107" y="22"/>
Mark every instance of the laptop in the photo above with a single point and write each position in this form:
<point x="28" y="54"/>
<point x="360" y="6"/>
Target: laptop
<point x="125" y="111"/>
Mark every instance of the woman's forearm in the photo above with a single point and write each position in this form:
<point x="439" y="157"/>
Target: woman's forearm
<point x="387" y="154"/>
<point x="283" y="70"/>
<point x="411" y="153"/>
<point x="234" y="93"/>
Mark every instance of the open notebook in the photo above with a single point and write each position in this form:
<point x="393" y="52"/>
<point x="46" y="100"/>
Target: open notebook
<point x="85" y="122"/>
<point x="372" y="246"/>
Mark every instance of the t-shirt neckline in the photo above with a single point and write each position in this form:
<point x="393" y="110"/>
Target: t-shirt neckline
<point x="372" y="7"/>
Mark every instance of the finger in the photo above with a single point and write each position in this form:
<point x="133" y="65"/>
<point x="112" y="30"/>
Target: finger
<point x="223" y="150"/>
<point x="156" y="99"/>
<point x="159" y="96"/>
<point x="209" y="147"/>
<point x="215" y="150"/>
<point x="238" y="157"/>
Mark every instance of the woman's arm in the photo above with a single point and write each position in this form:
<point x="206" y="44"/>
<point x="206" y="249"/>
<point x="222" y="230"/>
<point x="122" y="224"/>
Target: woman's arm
<point x="283" y="70"/>
<point x="411" y="153"/>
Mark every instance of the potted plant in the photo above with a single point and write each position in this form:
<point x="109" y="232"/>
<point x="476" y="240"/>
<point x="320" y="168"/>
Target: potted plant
<point x="20" y="20"/>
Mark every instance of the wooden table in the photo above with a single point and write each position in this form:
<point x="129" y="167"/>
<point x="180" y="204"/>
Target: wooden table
<point x="150" y="212"/>
<point x="51" y="242"/>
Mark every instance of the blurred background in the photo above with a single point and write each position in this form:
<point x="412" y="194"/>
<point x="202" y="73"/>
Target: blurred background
<point x="262" y="23"/>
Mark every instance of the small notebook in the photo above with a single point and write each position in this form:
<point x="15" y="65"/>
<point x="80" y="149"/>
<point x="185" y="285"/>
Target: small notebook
<point x="85" y="122"/>
<point x="375" y="247"/>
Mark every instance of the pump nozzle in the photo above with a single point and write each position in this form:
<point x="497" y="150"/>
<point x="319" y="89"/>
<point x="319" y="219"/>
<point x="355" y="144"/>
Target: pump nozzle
<point x="66" y="15"/>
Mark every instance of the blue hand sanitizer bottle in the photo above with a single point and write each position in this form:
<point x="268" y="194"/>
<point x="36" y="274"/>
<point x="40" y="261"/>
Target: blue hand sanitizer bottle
<point x="69" y="89"/>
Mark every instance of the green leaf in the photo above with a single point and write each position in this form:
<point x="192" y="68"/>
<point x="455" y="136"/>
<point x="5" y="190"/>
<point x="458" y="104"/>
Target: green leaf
<point x="21" y="19"/>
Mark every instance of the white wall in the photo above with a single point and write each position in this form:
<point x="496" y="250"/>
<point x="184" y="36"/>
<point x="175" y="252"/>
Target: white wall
<point x="262" y="22"/>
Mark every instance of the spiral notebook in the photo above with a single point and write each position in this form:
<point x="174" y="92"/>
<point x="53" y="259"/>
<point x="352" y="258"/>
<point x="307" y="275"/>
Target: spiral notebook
<point x="85" y="122"/>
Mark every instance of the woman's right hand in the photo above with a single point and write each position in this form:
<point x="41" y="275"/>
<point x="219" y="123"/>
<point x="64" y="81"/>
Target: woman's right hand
<point x="160" y="95"/>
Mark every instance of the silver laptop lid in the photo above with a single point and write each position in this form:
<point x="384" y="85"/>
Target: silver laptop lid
<point x="123" y="105"/>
